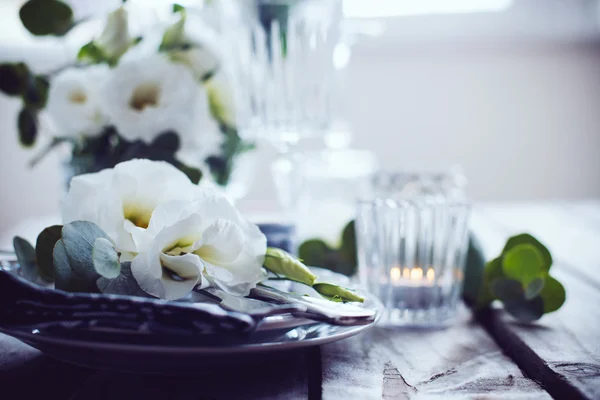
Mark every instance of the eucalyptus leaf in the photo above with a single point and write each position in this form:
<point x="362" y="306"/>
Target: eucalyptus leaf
<point x="26" y="256"/>
<point x="507" y="289"/>
<point x="348" y="247"/>
<point x="106" y="259"/>
<point x="282" y="263"/>
<point x="124" y="283"/>
<point x="46" y="17"/>
<point x="44" y="249"/>
<point x="534" y="287"/>
<point x="474" y="271"/>
<point x="525" y="238"/>
<point x="553" y="294"/>
<point x="491" y="273"/>
<point x="523" y="262"/>
<point x="13" y="78"/>
<point x="66" y="277"/>
<point x="313" y="252"/>
<point x="36" y="92"/>
<point x="525" y="310"/>
<point x="28" y="126"/>
<point x="334" y="292"/>
<point x="79" y="238"/>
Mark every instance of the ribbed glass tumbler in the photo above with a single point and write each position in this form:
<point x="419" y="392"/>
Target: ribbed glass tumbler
<point x="412" y="254"/>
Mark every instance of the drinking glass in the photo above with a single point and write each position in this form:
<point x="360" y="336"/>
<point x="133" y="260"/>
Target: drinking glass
<point x="412" y="237"/>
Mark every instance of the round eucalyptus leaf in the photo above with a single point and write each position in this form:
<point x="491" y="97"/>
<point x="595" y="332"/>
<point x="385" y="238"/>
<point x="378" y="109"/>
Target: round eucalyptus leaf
<point x="36" y="92"/>
<point x="105" y="258"/>
<point x="26" y="256"/>
<point x="124" y="284"/>
<point x="27" y="124"/>
<point x="13" y="78"/>
<point x="507" y="289"/>
<point x="46" y="17"/>
<point x="332" y="291"/>
<point x="65" y="277"/>
<point x="553" y="294"/>
<point x="525" y="310"/>
<point x="492" y="271"/>
<point x="525" y="238"/>
<point x="44" y="249"/>
<point x="313" y="252"/>
<point x="523" y="262"/>
<point x="79" y="238"/>
<point x="534" y="287"/>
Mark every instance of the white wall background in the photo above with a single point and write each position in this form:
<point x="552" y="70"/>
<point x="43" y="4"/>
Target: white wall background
<point x="519" y="112"/>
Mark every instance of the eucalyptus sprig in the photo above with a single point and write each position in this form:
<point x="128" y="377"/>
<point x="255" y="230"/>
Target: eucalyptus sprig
<point x="519" y="277"/>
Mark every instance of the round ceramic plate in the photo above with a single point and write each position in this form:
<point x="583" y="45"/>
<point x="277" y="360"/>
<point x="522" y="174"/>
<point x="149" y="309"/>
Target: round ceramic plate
<point x="148" y="336"/>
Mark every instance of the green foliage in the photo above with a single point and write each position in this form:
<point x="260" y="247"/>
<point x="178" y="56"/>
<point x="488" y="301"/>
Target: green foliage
<point x="282" y="263"/>
<point x="13" y="78"/>
<point x="123" y="284"/>
<point x="27" y="125"/>
<point x="91" y="53"/>
<point x="520" y="279"/>
<point x="46" y="17"/>
<point x="26" y="256"/>
<point x="335" y="292"/>
<point x="44" y="247"/>
<point x="105" y="258"/>
<point x="178" y="8"/>
<point x="68" y="276"/>
<point x="341" y="259"/>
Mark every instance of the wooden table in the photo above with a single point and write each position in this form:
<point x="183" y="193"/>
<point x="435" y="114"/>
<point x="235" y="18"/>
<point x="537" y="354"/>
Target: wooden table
<point x="487" y="356"/>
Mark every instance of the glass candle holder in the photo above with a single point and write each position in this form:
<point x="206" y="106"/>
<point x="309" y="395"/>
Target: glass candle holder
<point x="412" y="246"/>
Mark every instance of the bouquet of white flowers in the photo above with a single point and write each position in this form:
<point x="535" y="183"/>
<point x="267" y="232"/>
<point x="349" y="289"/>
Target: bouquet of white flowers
<point x="161" y="95"/>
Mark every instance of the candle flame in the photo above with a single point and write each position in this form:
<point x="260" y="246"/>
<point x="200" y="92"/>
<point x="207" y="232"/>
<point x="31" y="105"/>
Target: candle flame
<point x="395" y="273"/>
<point x="416" y="274"/>
<point x="406" y="273"/>
<point x="430" y="274"/>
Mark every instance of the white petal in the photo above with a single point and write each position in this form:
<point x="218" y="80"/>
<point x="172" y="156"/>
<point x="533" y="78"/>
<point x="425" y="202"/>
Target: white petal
<point x="221" y="243"/>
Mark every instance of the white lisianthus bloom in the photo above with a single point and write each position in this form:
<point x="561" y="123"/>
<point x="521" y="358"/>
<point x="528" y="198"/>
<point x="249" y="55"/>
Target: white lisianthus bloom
<point x="121" y="200"/>
<point x="150" y="95"/>
<point x="202" y="242"/>
<point x="74" y="104"/>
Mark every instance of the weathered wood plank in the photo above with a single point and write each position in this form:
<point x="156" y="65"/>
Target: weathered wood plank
<point x="459" y="362"/>
<point x="568" y="340"/>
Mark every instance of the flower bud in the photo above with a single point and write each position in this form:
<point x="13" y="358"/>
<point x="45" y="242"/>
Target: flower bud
<point x="335" y="292"/>
<point x="115" y="39"/>
<point x="283" y="263"/>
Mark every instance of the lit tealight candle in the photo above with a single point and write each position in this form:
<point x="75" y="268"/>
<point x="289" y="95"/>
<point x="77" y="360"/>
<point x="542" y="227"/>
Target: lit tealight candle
<point x="395" y="274"/>
<point x="416" y="274"/>
<point x="430" y="275"/>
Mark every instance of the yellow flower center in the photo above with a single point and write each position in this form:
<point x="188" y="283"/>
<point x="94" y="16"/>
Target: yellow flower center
<point x="139" y="216"/>
<point x="145" y="95"/>
<point x="77" y="97"/>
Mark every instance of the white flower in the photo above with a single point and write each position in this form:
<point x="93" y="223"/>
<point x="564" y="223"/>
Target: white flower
<point x="121" y="200"/>
<point x="74" y="105"/>
<point x="149" y="95"/>
<point x="206" y="242"/>
<point x="221" y="97"/>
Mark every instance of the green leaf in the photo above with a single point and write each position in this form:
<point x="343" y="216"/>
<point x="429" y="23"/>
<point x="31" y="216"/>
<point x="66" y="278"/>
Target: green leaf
<point x="523" y="262"/>
<point x="79" y="238"/>
<point x="46" y="17"/>
<point x="28" y="126"/>
<point x="66" y="277"/>
<point x="507" y="289"/>
<point x="492" y="272"/>
<point x="553" y="295"/>
<point x="525" y="310"/>
<point x="13" y="78"/>
<point x="534" y="287"/>
<point x="282" y="263"/>
<point x="36" y="94"/>
<point x="474" y="271"/>
<point x="194" y="174"/>
<point x="333" y="292"/>
<point x="178" y="8"/>
<point x="26" y="256"/>
<point x="313" y="252"/>
<point x="91" y="53"/>
<point x="105" y="258"/>
<point x="44" y="249"/>
<point x="124" y="284"/>
<point x="525" y="238"/>
<point x="348" y="247"/>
